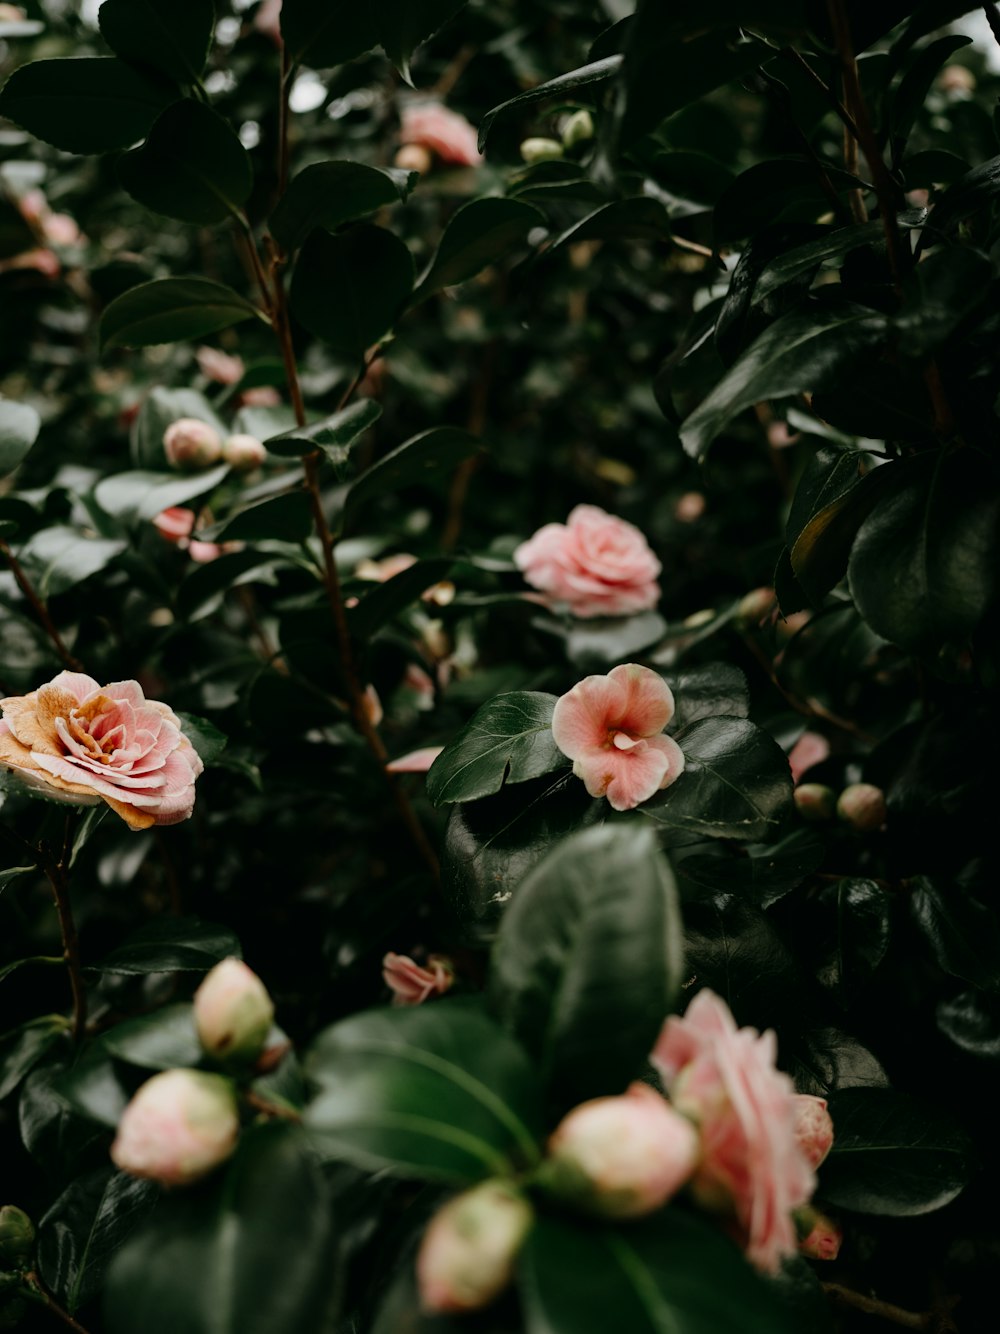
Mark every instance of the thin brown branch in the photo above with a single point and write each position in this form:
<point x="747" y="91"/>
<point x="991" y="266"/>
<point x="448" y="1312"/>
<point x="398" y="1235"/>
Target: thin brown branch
<point x="896" y="1315"/>
<point x="475" y="424"/>
<point x="286" y="73"/>
<point x="57" y="873"/>
<point x="268" y="1108"/>
<point x="35" y="1289"/>
<point x="245" y="234"/>
<point x="40" y="609"/>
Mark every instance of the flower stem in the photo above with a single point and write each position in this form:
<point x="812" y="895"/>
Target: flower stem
<point x="40" y="609"/>
<point x="873" y="1306"/>
<point x="34" y="1289"/>
<point x="57" y="873"/>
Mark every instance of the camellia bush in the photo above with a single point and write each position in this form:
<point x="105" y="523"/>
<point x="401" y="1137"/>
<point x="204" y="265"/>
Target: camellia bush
<point x="498" y="657"/>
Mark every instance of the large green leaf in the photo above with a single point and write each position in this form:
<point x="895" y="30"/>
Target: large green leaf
<point x="827" y="251"/>
<point x="588" y="960"/>
<point x="415" y="462"/>
<point x="974" y="191"/>
<point x="717" y="688"/>
<point x="508" y="740"/>
<point x="798" y="352"/>
<point x="922" y="570"/>
<point x="893" y="1154"/>
<point x="962" y="931"/>
<point x="404" y="24"/>
<point x="132" y="497"/>
<point x="478" y="234"/>
<point x="736" y="782"/>
<point x="169" y="35"/>
<point x="22" y="1049"/>
<point x="19" y="427"/>
<point x="349" y="289"/>
<point x="163" y="1040"/>
<point x="673" y="1273"/>
<point x="784" y="189"/>
<point x="853" y="918"/>
<point x="909" y="97"/>
<point x="763" y="877"/>
<point x="170" y="310"/>
<point x="641" y="217"/>
<point x="336" y="435"/>
<point x="561" y="86"/>
<point x="57" y="559"/>
<point x="327" y="32"/>
<point x="247" y="1253"/>
<point x="437" y="1091"/>
<point x="284" y="518"/>
<point x="940" y="297"/>
<point x="169" y="945"/>
<point x="85" y="104"/>
<point x="328" y="194"/>
<point x="192" y="166"/>
<point x="388" y="599"/>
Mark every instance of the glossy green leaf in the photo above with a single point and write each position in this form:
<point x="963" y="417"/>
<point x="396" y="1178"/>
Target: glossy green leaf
<point x="171" y="945"/>
<point x="764" y="877"/>
<point x="599" y="642"/>
<point x="916" y="83"/>
<point x="192" y="167"/>
<point x="349" y="289"/>
<point x="206" y="738"/>
<point x="322" y="33"/>
<point x="826" y="252"/>
<point x="22" y="1048"/>
<point x="336" y="435"/>
<point x="732" y="947"/>
<point x="19" y="427"/>
<point x="923" y="567"/>
<point x="784" y="189"/>
<point x="892" y="1154"/>
<point x="246" y="1253"/>
<point x="415" y="462"/>
<point x="859" y="912"/>
<point x="718" y="688"/>
<point x="961" y="930"/>
<point x="284" y="518"/>
<point x="477" y="235"/>
<point x="135" y="497"/>
<point x="12" y="873"/>
<point x="975" y="190"/>
<point x="437" y="1091"/>
<point x="508" y="740"/>
<point x="387" y="600"/>
<point x="584" y="974"/>
<point x="642" y="218"/>
<point x="404" y="24"/>
<point x="798" y="352"/>
<point x="163" y="1040"/>
<point x="736" y="782"/>
<point x="561" y="86"/>
<point x="85" y="104"/>
<point x="170" y="310"/>
<point x="328" y="194"/>
<point x="170" y="35"/>
<point x="939" y="297"/>
<point x="57" y="559"/>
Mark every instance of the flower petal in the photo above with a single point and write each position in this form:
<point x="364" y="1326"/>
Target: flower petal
<point x="584" y="716"/>
<point x="648" y="703"/>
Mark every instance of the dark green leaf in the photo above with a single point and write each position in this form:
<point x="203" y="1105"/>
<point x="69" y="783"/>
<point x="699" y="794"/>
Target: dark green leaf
<point x="561" y="86"/>
<point x="584" y="974"/>
<point x="971" y="1021"/>
<point x="828" y="1059"/>
<point x="22" y="1049"/>
<point x="12" y="873"/>
<point x="732" y="947"/>
<point x="163" y="1040"/>
<point x="435" y="1091"/>
<point x="349" y="289"/>
<point x="736" y="782"/>
<point x="939" y="296"/>
<point x="508" y="740"/>
<point x="336" y="436"/>
<point x="192" y="167"/>
<point x="962" y="932"/>
<point x="170" y="35"/>
<point x="601" y="642"/>
<point x="84" y="104"/>
<point x="826" y="252"/>
<point x="478" y="234"/>
<point x="416" y="461"/>
<point x="328" y="194"/>
<point x="916" y="83"/>
<point x="859" y="913"/>
<point x="387" y="600"/>
<point x="19" y="427"/>
<point x="782" y="189"/>
<point x="763" y="877"/>
<point x="206" y="738"/>
<point x="283" y="518"/>
<point x="706" y="692"/>
<point x="327" y="32"/>
<point x="170" y="310"/>
<point x="974" y="191"/>
<point x="172" y="945"/>
<point x="404" y="24"/>
<point x="892" y="1155"/>
<point x="136" y="497"/>
<point x="57" y="559"/>
<point x="643" y="218"/>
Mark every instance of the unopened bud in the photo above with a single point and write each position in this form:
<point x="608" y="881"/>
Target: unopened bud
<point x="821" y="1237"/>
<point x="541" y="150"/>
<point x="862" y="806"/>
<point x="414" y="157"/>
<point x="578" y="128"/>
<point x="956" y="79"/>
<point x="754" y="607"/>
<point x="192" y="444"/>
<point x="621" y="1157"/>
<point x="244" y="452"/>
<point x="813" y="1127"/>
<point x="17" y="1236"/>
<point x="815" y="801"/>
<point x="178" y="1127"/>
<point x="467" y="1256"/>
<point x="233" y="1012"/>
<point x="690" y="507"/>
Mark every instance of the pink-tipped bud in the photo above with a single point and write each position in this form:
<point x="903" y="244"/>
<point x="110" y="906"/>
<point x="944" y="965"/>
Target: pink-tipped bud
<point x="233" y="1012"/>
<point x="755" y="607"/>
<point x="815" y="802"/>
<point x="192" y="444"/>
<point x="467" y="1256"/>
<point x="409" y="983"/>
<point x="690" y="507"/>
<point x="621" y="1157"/>
<point x="178" y="1127"/>
<point x="414" y="157"/>
<point x="175" y="524"/>
<point x="244" y="453"/>
<point x="821" y="1237"/>
<point x="813" y="1128"/>
<point x="862" y="806"/>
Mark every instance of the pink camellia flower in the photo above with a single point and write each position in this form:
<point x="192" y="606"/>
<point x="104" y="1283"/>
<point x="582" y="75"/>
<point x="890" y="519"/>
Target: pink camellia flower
<point x="81" y="743"/>
<point x="178" y="1126"/>
<point x="268" y="20"/>
<point x="444" y="132"/>
<point x="810" y="749"/>
<point x="233" y="1012"/>
<point x="611" y="727"/>
<point x="813" y="1127"/>
<point x="622" y="1157"/>
<point x="823" y="1237"/>
<point x="595" y="563"/>
<point x="190" y="443"/>
<point x="261" y="396"/>
<point x="412" y="985"/>
<point x="219" y="366"/>
<point x="467" y="1255"/>
<point x="752" y="1168"/>
<point x="415" y="761"/>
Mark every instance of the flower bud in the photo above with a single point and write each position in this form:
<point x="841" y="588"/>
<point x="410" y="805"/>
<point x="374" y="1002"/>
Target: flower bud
<point x="862" y="806"/>
<point x="813" y="1128"/>
<point x="690" y="507"/>
<point x="233" y="1012"/>
<point x="621" y="1157"/>
<point x="578" y="128"/>
<point x="12" y="14"/>
<point x="414" y="157"/>
<point x="192" y="444"/>
<point x="820" y="1236"/>
<point x="175" y="524"/>
<point x="754" y="607"/>
<point x="17" y="1236"/>
<point x="815" y="801"/>
<point x="178" y="1127"/>
<point x="467" y="1256"/>
<point x="541" y="150"/>
<point x="244" y="452"/>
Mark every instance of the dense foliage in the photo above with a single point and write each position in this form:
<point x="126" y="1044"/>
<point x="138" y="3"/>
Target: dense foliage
<point x="726" y="272"/>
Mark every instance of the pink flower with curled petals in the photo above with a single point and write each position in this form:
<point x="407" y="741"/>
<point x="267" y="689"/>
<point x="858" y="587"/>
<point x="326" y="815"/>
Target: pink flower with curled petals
<point x="611" y="727"/>
<point x="444" y="132"/>
<point x="412" y="985"/>
<point x="811" y="748"/>
<point x="753" y="1169"/>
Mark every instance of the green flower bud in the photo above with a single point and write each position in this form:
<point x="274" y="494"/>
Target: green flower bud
<point x="815" y="801"/>
<point x="578" y="128"/>
<point x="17" y="1235"/>
<point x="541" y="150"/>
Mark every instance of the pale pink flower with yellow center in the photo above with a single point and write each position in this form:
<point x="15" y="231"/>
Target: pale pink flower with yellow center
<point x="412" y="985"/>
<point x="611" y="727"/>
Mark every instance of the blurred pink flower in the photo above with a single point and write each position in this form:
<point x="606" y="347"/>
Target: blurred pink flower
<point x="444" y="132"/>
<point x="813" y="1127"/>
<point x="178" y="1126"/>
<point x="412" y="985"/>
<point x="219" y="366"/>
<point x="175" y="524"/>
<point x="595" y="563"/>
<point x="810" y="749"/>
<point x="261" y="396"/>
<point x="752" y="1169"/>
<point x="415" y="762"/>
<point x="468" y="1253"/>
<point x="268" y="20"/>
<point x="192" y="444"/>
<point x="40" y="259"/>
<point x="233" y="1012"/>
<point x="824" y="1239"/>
<point x="611" y="727"/>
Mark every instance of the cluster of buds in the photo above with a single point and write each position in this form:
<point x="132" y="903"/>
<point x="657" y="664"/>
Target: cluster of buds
<point x="181" y="1124"/>
<point x="193" y="445"/>
<point x="577" y="128"/>
<point x="861" y="806"/>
